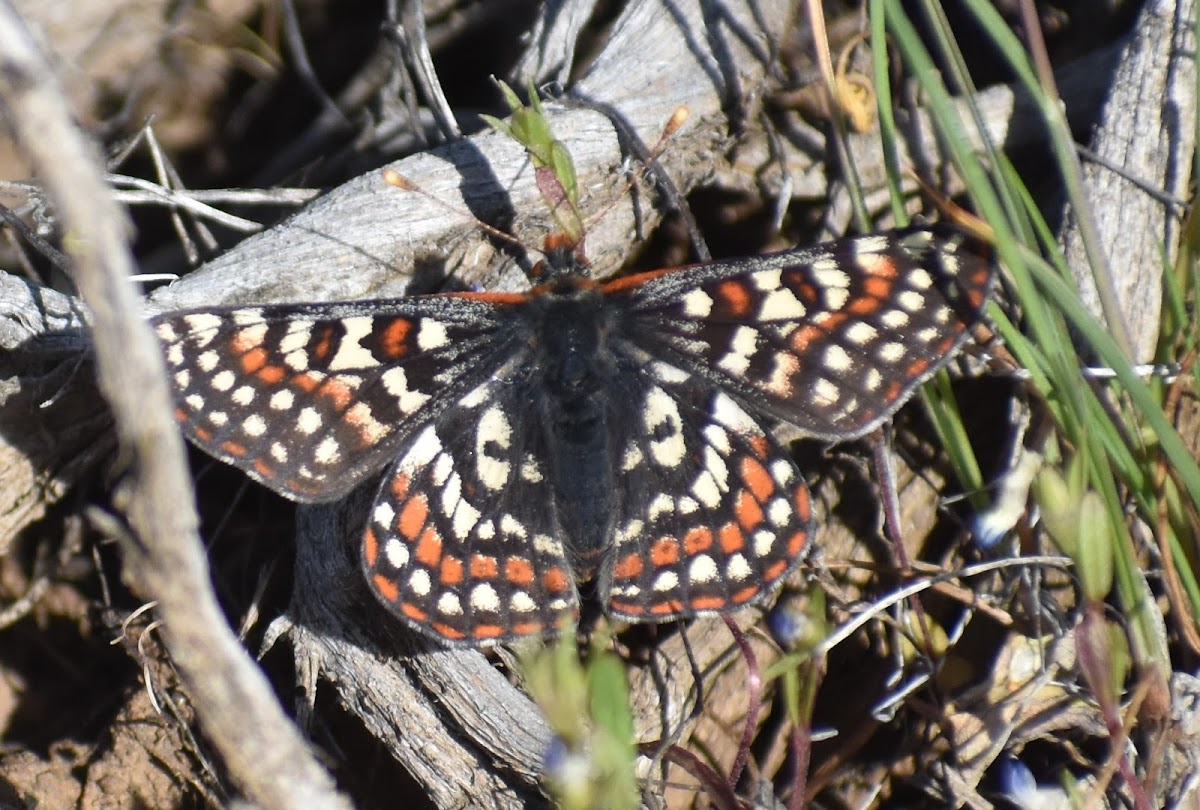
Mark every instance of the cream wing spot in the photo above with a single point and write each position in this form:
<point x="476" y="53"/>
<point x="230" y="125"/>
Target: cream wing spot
<point x="666" y="581"/>
<point x="448" y="604"/>
<point x="297" y="336"/>
<point x="521" y="602"/>
<point x="836" y="359"/>
<point x="891" y="352"/>
<point x="419" y="583"/>
<point x="431" y="335"/>
<point x="662" y="420"/>
<point x="697" y="304"/>
<point x="396" y="553"/>
<point x="202" y="322"/>
<point x="742" y="346"/>
<point x="485" y="598"/>
<point x="737" y="569"/>
<point x="328" y="451"/>
<point x="825" y="393"/>
<point x="395" y="382"/>
<point x="781" y="305"/>
<point x="350" y="353"/>
<point x="702" y="569"/>
<point x="309" y="421"/>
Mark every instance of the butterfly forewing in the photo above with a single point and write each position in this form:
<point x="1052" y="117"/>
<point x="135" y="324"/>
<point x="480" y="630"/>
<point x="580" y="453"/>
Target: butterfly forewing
<point x="311" y="399"/>
<point x="832" y="340"/>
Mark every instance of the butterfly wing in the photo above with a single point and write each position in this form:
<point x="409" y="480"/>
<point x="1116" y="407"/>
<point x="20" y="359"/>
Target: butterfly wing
<point x="463" y="543"/>
<point x="713" y="513"/>
<point x="832" y="340"/>
<point x="310" y="399"/>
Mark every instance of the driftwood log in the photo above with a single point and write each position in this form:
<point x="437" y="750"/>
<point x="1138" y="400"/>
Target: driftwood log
<point x="468" y="735"/>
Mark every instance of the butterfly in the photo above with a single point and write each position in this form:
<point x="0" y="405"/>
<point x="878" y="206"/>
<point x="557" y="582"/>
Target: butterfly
<point x="616" y="432"/>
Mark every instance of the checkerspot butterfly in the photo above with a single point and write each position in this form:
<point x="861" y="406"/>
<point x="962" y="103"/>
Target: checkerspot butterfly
<point x="616" y="432"/>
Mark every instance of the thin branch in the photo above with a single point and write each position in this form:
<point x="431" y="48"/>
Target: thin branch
<point x="261" y="748"/>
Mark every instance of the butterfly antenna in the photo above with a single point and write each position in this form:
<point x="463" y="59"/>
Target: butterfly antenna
<point x="394" y="178"/>
<point x="646" y="162"/>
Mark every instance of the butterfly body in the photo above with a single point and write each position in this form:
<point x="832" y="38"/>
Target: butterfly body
<point x="615" y="431"/>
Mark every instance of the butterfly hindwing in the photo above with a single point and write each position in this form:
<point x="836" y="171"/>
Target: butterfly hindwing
<point x="713" y="511"/>
<point x="462" y="542"/>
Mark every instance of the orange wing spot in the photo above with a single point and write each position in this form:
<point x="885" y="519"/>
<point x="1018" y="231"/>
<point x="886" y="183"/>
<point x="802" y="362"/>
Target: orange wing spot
<point x="370" y="547"/>
<point x="733" y="299"/>
<point x="429" y="549"/>
<point x="628" y="608"/>
<point x="946" y="344"/>
<point x="391" y="591"/>
<point x="708" y="603"/>
<point x="452" y="571"/>
<point x="254" y="359"/>
<point x="757" y="478"/>
<point x="867" y="304"/>
<point x="203" y="435"/>
<point x="773" y="571"/>
<point x="699" y="539"/>
<point x="272" y="375"/>
<point x="628" y="567"/>
<point x="665" y="551"/>
<point x="483" y="567"/>
<point x="263" y="468"/>
<point x="877" y="287"/>
<point x="527" y="628"/>
<point x="554" y="580"/>
<point x="801" y="338"/>
<point x="518" y="571"/>
<point x="413" y="517"/>
<point x="667" y="608"/>
<point x="759" y="445"/>
<point x="180" y="415"/>
<point x="893" y="390"/>
<point x="749" y="513"/>
<point x="447" y="631"/>
<point x="339" y="392"/>
<point x="879" y="265"/>
<point x="399" y="486"/>
<point x="324" y="344"/>
<point x="916" y="368"/>
<point x="487" y="631"/>
<point x="796" y="544"/>
<point x="234" y="449"/>
<point x="745" y="594"/>
<point x="803" y="502"/>
<point x="394" y="340"/>
<point x="732" y="539"/>
<point x="306" y="383"/>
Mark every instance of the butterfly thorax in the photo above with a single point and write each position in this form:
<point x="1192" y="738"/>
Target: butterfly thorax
<point x="574" y="404"/>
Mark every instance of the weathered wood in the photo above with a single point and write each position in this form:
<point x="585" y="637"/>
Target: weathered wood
<point x="1142" y="146"/>
<point x="466" y="734"/>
